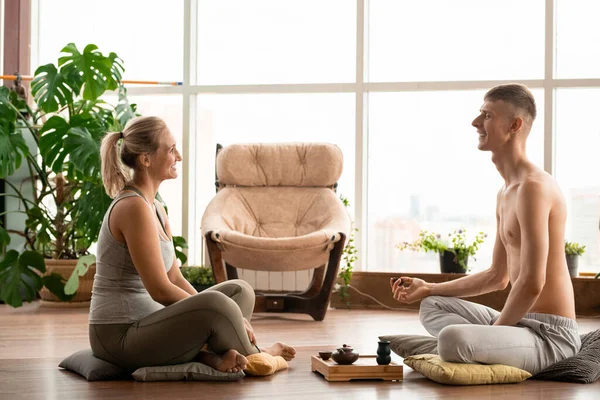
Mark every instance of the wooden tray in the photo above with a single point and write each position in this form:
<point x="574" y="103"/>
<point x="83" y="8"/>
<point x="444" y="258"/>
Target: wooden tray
<point x="365" y="367"/>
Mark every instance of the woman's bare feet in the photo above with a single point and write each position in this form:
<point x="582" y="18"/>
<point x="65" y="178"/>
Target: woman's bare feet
<point x="230" y="361"/>
<point x="280" y="349"/>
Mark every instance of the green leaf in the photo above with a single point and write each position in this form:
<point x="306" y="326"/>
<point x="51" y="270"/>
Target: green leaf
<point x="9" y="275"/>
<point x="179" y="243"/>
<point x="198" y="275"/>
<point x="91" y="120"/>
<point x="19" y="103"/>
<point x="51" y="89"/>
<point x="59" y="141"/>
<point x="56" y="285"/>
<point x="90" y="208"/>
<point x="4" y="238"/>
<point x="84" y="151"/>
<point x="97" y="116"/>
<point x="83" y="264"/>
<point x="117" y="70"/>
<point x="181" y="256"/>
<point x="52" y="142"/>
<point x="6" y="111"/>
<point x="37" y="221"/>
<point x="20" y="274"/>
<point x="33" y="261"/>
<point x="97" y="71"/>
<point x="124" y="110"/>
<point x="13" y="147"/>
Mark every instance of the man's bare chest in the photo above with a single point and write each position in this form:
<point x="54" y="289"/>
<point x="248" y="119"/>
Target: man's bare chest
<point x="508" y="223"/>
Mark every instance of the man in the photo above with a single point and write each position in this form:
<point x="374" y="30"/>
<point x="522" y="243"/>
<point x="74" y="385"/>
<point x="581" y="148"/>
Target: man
<point x="536" y="327"/>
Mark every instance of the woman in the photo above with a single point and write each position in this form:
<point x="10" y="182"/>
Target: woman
<point x="143" y="311"/>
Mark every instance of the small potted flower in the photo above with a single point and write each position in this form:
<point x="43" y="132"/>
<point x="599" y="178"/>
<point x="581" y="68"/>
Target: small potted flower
<point x="454" y="252"/>
<point x="200" y="277"/>
<point x="573" y="250"/>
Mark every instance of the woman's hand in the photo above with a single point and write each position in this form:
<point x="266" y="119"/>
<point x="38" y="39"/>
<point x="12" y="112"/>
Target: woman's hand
<point x="250" y="332"/>
<point x="408" y="290"/>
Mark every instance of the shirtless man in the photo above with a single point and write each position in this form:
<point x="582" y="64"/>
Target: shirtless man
<point x="536" y="327"/>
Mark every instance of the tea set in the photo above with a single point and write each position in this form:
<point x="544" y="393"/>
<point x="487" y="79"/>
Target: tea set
<point x="346" y="355"/>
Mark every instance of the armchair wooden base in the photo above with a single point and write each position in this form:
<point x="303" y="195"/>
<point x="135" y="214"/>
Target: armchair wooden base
<point x="314" y="301"/>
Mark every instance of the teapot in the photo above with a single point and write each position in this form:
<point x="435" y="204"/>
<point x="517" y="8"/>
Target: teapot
<point x="345" y="355"/>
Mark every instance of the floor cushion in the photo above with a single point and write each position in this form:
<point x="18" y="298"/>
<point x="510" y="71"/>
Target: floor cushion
<point x="432" y="366"/>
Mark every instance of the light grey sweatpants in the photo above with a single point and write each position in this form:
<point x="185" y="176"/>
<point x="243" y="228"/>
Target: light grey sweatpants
<point x="465" y="334"/>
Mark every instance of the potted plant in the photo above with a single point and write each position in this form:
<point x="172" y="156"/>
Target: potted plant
<point x="454" y="252"/>
<point x="347" y="263"/>
<point x="63" y="198"/>
<point x="200" y="277"/>
<point x="572" y="251"/>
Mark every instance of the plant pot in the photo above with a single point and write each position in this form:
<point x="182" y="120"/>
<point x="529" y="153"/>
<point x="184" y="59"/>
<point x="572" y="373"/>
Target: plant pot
<point x="200" y="288"/>
<point x="65" y="268"/>
<point x="573" y="264"/>
<point x="449" y="266"/>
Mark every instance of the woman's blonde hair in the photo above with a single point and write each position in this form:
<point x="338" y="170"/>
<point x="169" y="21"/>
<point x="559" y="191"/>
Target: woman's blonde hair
<point x="140" y="135"/>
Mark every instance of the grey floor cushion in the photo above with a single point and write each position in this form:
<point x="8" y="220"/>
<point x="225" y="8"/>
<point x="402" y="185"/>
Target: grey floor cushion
<point x="584" y="367"/>
<point x="93" y="369"/>
<point x="411" y="345"/>
<point x="191" y="371"/>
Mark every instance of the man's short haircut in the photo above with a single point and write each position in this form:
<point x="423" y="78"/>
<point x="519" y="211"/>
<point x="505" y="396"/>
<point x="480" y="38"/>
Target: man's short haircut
<point x="515" y="94"/>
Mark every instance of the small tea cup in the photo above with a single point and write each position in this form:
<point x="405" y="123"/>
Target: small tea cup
<point x="325" y="355"/>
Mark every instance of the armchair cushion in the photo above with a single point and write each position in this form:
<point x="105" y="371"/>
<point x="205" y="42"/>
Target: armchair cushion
<point x="280" y="164"/>
<point x="276" y="229"/>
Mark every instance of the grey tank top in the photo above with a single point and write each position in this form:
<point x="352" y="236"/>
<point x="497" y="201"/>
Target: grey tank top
<point x="118" y="294"/>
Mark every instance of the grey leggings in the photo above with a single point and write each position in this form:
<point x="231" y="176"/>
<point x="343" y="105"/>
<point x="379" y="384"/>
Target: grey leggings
<point x="465" y="335"/>
<point x="177" y="333"/>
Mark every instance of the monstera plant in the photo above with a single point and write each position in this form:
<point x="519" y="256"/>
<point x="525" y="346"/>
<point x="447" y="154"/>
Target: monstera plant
<point x="58" y="141"/>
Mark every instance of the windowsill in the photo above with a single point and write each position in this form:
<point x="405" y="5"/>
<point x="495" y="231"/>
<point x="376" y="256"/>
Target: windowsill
<point x="587" y="301"/>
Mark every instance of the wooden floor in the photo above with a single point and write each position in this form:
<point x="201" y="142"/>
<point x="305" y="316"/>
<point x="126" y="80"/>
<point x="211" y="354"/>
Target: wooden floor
<point x="33" y="340"/>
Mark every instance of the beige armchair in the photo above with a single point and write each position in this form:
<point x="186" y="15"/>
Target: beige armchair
<point x="276" y="210"/>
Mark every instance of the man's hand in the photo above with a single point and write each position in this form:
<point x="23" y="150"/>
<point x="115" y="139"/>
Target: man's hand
<point x="250" y="332"/>
<point x="409" y="290"/>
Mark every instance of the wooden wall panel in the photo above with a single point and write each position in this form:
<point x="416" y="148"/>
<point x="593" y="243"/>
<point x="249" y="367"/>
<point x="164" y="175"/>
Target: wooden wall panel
<point x="376" y="284"/>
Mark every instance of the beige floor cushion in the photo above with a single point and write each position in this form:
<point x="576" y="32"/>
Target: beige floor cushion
<point x="434" y="368"/>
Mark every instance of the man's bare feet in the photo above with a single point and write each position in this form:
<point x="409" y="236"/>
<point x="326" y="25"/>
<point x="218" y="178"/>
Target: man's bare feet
<point x="281" y="349"/>
<point x="230" y="361"/>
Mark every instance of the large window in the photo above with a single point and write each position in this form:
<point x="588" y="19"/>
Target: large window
<point x="577" y="38"/>
<point x="274" y="41"/>
<point x="425" y="172"/>
<point x="578" y="168"/>
<point x="458" y="40"/>
<point x="146" y="34"/>
<point x="395" y="84"/>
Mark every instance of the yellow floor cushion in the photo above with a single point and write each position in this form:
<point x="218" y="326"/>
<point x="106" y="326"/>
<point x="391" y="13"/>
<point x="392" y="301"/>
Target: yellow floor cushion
<point x="434" y="368"/>
<point x="263" y="364"/>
